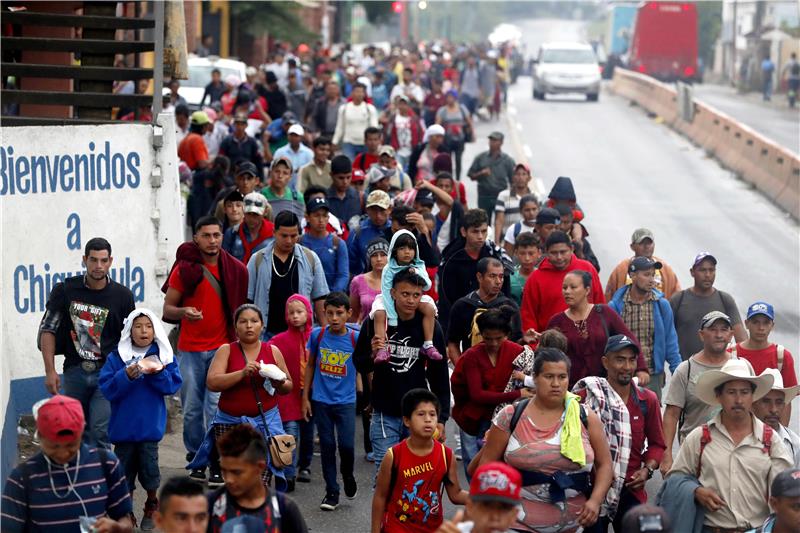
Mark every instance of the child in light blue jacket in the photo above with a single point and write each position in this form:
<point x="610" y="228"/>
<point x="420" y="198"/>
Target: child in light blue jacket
<point x="403" y="254"/>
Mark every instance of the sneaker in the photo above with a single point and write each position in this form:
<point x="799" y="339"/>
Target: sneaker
<point x="330" y="502"/>
<point x="431" y="353"/>
<point x="350" y="487"/>
<point x="304" y="476"/>
<point x="198" y="473"/>
<point x="383" y="356"/>
<point x="150" y="507"/>
<point x="215" y="479"/>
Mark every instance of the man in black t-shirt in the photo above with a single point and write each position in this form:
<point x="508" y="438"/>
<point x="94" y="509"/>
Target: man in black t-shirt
<point x="405" y="370"/>
<point x="83" y="321"/>
<point x="244" y="500"/>
<point x="462" y="332"/>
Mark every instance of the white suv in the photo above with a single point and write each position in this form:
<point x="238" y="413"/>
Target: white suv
<point x="200" y="75"/>
<point x="566" y="68"/>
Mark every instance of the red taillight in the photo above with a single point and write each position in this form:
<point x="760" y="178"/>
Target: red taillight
<point x="653" y="5"/>
<point x="688" y="71"/>
<point x="686" y="7"/>
<point x="641" y="68"/>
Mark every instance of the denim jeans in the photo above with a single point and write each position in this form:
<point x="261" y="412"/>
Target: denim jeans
<point x="470" y="445"/>
<point x="303" y="433"/>
<point x="336" y="424"/>
<point x="385" y="431"/>
<point x="198" y="403"/>
<point x="82" y="386"/>
<point x="352" y="150"/>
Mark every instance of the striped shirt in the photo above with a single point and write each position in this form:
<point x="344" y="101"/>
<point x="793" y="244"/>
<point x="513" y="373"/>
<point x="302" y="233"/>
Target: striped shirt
<point x="30" y="504"/>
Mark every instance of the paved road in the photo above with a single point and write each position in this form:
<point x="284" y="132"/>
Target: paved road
<point x="628" y="171"/>
<point x="773" y="119"/>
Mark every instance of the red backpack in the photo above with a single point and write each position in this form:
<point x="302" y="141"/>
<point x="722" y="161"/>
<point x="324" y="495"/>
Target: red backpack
<point x="766" y="438"/>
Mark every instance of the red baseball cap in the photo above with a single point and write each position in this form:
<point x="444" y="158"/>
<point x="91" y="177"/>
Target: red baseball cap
<point x="358" y="176"/>
<point x="496" y="482"/>
<point x="60" y="419"/>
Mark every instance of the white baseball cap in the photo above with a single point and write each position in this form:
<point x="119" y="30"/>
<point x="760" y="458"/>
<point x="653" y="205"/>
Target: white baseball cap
<point x="297" y="129"/>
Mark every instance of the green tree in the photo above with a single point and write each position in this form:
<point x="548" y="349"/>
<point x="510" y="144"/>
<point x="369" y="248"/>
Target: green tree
<point x="278" y="19"/>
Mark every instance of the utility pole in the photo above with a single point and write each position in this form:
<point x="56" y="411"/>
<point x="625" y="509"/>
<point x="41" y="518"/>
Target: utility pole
<point x="733" y="48"/>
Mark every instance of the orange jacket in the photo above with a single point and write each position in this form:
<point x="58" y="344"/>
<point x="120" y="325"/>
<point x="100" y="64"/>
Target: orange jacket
<point x="669" y="283"/>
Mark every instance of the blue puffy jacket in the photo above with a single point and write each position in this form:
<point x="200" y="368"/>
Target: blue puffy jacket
<point x="665" y="341"/>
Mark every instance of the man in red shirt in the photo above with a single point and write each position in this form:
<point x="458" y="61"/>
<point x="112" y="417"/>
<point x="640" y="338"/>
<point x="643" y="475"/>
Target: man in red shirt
<point x="541" y="297"/>
<point x="195" y="298"/>
<point x="762" y="354"/>
<point x="644" y="417"/>
<point x="373" y="137"/>
<point x="192" y="150"/>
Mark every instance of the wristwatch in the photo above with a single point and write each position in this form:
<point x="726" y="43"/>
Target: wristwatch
<point x="649" y="471"/>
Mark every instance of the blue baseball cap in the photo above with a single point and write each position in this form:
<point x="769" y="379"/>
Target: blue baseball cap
<point x="761" y="308"/>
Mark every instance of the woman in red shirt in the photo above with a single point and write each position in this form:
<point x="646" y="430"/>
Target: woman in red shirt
<point x="587" y="328"/>
<point x="480" y="378"/>
<point x="236" y="371"/>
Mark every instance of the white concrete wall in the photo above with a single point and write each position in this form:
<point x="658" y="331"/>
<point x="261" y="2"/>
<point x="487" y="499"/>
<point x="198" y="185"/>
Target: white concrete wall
<point x="131" y="198"/>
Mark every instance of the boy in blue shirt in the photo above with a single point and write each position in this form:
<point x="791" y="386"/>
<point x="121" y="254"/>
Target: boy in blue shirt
<point x="330" y="392"/>
<point x="330" y="248"/>
<point x="135" y="379"/>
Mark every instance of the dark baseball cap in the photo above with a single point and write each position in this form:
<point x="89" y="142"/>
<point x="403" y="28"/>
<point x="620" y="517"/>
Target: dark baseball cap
<point x="246" y="167"/>
<point x="424" y="197"/>
<point x="548" y="215"/>
<point x="709" y="318"/>
<point x="497" y="136"/>
<point x="616" y="343"/>
<point x="315" y="204"/>
<point x="234" y="196"/>
<point x="786" y="484"/>
<point x="640" y="263"/>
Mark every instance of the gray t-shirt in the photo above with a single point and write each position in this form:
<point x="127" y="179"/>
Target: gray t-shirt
<point x="689" y="309"/>
<point x="681" y="394"/>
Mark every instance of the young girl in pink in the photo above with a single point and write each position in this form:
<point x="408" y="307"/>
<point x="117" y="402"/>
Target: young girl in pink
<point x="292" y="344"/>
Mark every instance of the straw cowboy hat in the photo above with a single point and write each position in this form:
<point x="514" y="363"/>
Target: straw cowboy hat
<point x="788" y="392"/>
<point x="733" y="370"/>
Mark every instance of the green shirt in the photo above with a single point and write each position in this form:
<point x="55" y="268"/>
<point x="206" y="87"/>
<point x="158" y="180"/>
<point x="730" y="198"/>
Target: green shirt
<point x="518" y="280"/>
<point x="501" y="168"/>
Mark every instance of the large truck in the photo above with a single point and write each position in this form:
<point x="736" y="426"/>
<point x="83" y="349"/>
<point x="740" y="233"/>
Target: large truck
<point x="664" y="42"/>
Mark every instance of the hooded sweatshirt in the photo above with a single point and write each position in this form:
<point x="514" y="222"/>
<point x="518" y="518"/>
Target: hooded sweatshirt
<point x="138" y="411"/>
<point x="393" y="268"/>
<point x="542" y="297"/>
<point x="292" y="344"/>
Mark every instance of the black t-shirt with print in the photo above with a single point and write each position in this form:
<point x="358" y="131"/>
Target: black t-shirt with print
<point x="406" y="369"/>
<point x="93" y="319"/>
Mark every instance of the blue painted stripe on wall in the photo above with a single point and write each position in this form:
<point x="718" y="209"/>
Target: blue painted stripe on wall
<point x="23" y="394"/>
